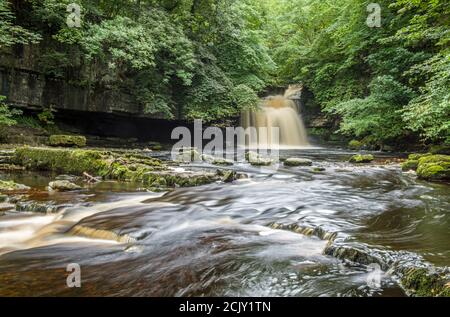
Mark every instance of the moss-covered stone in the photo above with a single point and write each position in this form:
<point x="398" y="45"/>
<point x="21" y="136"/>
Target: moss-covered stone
<point x="295" y="161"/>
<point x="355" y="145"/>
<point x="256" y="159"/>
<point x="434" y="168"/>
<point x="10" y="186"/>
<point x="188" y="155"/>
<point x="417" y="156"/>
<point x="222" y="162"/>
<point x="67" y="140"/>
<point x="63" y="186"/>
<point x="359" y="158"/>
<point x="109" y="165"/>
<point x="410" y="165"/>
<point x="422" y="282"/>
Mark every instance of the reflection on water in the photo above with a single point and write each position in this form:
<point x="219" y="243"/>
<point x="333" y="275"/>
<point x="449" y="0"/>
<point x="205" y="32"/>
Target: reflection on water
<point x="216" y="240"/>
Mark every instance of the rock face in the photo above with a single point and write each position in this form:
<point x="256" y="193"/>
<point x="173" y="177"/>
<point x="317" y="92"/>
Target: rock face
<point x="67" y="140"/>
<point x="359" y="158"/>
<point x="63" y="186"/>
<point x="295" y="161"/>
<point x="29" y="89"/>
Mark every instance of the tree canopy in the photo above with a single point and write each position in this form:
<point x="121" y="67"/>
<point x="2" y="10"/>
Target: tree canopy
<point x="211" y="58"/>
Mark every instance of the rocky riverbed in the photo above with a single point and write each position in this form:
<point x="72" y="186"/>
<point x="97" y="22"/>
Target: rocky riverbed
<point x="315" y="224"/>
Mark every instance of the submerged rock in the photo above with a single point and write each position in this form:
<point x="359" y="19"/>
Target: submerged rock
<point x="295" y="161"/>
<point x="83" y="231"/>
<point x="222" y="162"/>
<point x="33" y="206"/>
<point x="229" y="176"/>
<point x="216" y="160"/>
<point x="67" y="140"/>
<point x="426" y="283"/>
<point x="416" y="277"/>
<point x="359" y="158"/>
<point x="69" y="178"/>
<point x="318" y="169"/>
<point x="6" y="206"/>
<point x="63" y="186"/>
<point x="306" y="230"/>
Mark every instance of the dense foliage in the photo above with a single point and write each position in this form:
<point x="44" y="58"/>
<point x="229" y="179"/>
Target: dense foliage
<point x="210" y="58"/>
<point x="386" y="83"/>
<point x="205" y="57"/>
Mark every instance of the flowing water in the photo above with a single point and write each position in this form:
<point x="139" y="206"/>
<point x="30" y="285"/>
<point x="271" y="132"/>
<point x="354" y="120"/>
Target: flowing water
<point x="279" y="112"/>
<point x="217" y="239"/>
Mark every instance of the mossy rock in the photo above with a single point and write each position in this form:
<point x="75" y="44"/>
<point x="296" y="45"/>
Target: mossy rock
<point x="295" y="161"/>
<point x="11" y="186"/>
<point x="420" y="282"/>
<point x="222" y="162"/>
<point x="67" y="140"/>
<point x="410" y="165"/>
<point x="434" y="168"/>
<point x="63" y="186"/>
<point x="359" y="158"/>
<point x="109" y="165"/>
<point x="256" y="159"/>
<point x="417" y="156"/>
<point x="355" y="145"/>
<point x="187" y="155"/>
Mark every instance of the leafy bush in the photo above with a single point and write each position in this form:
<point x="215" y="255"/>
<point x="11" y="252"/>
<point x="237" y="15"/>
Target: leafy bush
<point x="7" y="114"/>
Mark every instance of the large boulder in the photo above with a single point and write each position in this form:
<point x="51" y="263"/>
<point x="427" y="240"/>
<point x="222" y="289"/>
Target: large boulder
<point x="360" y="158"/>
<point x="67" y="140"/>
<point x="63" y="186"/>
<point x="295" y="161"/>
<point x="434" y="168"/>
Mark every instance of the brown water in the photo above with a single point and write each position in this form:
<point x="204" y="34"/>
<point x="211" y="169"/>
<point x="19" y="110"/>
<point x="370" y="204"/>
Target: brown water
<point x="277" y="112"/>
<point x="215" y="240"/>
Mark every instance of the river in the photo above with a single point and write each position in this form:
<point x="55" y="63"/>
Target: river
<point x="219" y="239"/>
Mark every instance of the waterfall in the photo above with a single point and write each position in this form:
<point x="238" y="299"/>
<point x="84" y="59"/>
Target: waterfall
<point x="281" y="112"/>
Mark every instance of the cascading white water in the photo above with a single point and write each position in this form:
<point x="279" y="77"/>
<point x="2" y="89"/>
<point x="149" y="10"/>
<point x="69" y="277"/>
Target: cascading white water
<point x="278" y="112"/>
